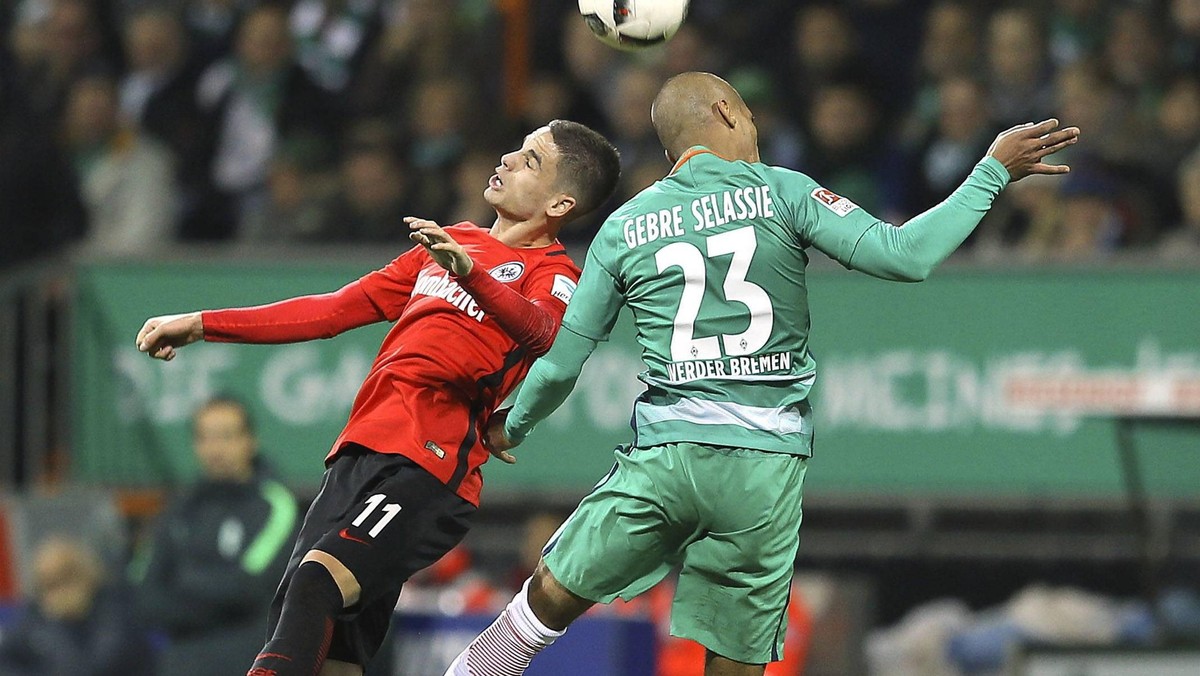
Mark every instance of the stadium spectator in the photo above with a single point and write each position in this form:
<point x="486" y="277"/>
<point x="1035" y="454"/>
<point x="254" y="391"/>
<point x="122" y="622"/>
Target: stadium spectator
<point x="61" y="41"/>
<point x="1075" y="29"/>
<point x="420" y="40"/>
<point x="1018" y="71"/>
<point x="212" y="24"/>
<point x="126" y="180"/>
<point x="440" y="129"/>
<point x="780" y="138"/>
<point x="298" y="194"/>
<point x="158" y="91"/>
<point x="40" y="209"/>
<point x="332" y="38"/>
<point x="208" y="572"/>
<point x="77" y="624"/>
<point x="1088" y="223"/>
<point x="825" y="51"/>
<point x="1185" y="47"/>
<point x="632" y="94"/>
<point x="473" y="171"/>
<point x="962" y="135"/>
<point x="372" y="200"/>
<point x="252" y="101"/>
<point x="845" y="150"/>
<point x="1182" y="243"/>
<point x="1134" y="55"/>
<point x="949" y="47"/>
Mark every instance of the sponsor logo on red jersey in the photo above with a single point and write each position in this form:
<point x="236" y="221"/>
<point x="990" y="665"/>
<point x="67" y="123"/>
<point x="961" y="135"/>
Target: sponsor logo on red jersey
<point x="438" y="284"/>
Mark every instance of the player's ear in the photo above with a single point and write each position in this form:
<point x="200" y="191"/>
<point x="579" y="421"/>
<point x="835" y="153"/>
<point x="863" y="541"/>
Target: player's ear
<point x="725" y="114"/>
<point x="561" y="205"/>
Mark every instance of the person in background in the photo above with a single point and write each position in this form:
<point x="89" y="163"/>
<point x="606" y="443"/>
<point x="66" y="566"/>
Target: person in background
<point x="210" y="568"/>
<point x="126" y="180"/>
<point x="76" y="624"/>
<point x="251" y="102"/>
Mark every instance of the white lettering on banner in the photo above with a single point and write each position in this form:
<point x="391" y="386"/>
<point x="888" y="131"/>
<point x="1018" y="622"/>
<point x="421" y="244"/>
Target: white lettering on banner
<point x="169" y="392"/>
<point x="296" y="387"/>
<point x="1034" y="392"/>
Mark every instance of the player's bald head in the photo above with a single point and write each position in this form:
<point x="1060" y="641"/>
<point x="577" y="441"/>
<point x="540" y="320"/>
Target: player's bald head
<point x="685" y="110"/>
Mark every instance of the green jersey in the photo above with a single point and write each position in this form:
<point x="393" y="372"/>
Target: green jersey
<point x="711" y="262"/>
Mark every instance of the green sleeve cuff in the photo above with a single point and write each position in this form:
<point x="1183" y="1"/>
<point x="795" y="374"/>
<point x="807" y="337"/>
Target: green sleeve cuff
<point x="991" y="168"/>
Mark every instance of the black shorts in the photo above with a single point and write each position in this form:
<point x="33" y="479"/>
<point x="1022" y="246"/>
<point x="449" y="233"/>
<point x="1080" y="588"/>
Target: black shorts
<point x="384" y="518"/>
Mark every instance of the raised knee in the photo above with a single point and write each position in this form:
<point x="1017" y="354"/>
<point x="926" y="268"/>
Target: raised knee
<point x="346" y="581"/>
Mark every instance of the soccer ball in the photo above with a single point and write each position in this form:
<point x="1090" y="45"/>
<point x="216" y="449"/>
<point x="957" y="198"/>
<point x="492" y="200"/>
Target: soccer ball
<point x="633" y="24"/>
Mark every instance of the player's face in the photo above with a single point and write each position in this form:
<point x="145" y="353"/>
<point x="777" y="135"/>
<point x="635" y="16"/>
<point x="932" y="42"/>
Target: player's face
<point x="524" y="185"/>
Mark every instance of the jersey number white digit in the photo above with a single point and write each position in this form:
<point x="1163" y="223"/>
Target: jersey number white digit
<point x="687" y="257"/>
<point x="390" y="511"/>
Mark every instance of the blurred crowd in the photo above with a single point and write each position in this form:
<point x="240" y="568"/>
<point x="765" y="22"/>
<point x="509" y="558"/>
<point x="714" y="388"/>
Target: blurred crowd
<point x="128" y="125"/>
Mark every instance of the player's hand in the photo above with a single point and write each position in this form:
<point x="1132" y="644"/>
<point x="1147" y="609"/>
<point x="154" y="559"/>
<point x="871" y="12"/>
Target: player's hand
<point x="494" y="438"/>
<point x="441" y="246"/>
<point x="1022" y="148"/>
<point x="161" y="336"/>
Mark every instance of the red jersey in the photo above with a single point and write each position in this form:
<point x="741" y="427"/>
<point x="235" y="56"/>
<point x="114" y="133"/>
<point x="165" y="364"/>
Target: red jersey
<point x="445" y="365"/>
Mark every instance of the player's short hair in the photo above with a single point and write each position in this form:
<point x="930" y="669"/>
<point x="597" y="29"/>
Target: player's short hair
<point x="588" y="164"/>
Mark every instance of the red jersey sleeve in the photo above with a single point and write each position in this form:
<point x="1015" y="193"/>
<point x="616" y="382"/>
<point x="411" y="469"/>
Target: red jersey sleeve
<point x="531" y="323"/>
<point x="376" y="296"/>
<point x="390" y="287"/>
<point x="293" y="320"/>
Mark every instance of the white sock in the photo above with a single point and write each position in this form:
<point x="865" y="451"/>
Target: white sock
<point x="508" y="646"/>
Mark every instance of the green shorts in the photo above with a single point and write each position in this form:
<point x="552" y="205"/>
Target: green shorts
<point x="729" y="516"/>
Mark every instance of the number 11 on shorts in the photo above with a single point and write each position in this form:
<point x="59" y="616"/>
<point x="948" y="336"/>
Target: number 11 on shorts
<point x="390" y="511"/>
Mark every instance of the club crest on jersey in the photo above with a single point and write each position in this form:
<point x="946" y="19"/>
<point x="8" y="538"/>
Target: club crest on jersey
<point x="508" y="271"/>
<point x="833" y="201"/>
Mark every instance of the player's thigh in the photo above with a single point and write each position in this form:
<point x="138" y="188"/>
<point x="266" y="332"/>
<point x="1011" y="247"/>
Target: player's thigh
<point x="626" y="534"/>
<point x="403" y="521"/>
<point x="734" y="584"/>
<point x="340" y="487"/>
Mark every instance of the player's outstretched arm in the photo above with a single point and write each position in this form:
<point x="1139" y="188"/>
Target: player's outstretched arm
<point x="910" y="253"/>
<point x="160" y="337"/>
<point x="546" y="387"/>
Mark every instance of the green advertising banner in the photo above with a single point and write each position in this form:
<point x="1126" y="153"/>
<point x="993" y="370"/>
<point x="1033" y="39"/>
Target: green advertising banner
<point x="973" y="383"/>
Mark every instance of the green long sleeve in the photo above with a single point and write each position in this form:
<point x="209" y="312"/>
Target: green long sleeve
<point x="910" y="253"/>
<point x="549" y="382"/>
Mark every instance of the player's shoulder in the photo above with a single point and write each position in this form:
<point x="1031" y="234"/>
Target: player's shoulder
<point x="467" y="229"/>
<point x="554" y="257"/>
<point x="777" y="174"/>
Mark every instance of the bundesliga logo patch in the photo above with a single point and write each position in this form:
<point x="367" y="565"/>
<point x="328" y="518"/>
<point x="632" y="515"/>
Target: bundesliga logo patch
<point x="833" y="201"/>
<point x="508" y="271"/>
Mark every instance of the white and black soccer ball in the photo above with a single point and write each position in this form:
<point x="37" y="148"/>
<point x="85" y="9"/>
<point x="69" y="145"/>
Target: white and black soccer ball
<point x="633" y="24"/>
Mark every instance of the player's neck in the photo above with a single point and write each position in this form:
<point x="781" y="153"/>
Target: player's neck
<point x="524" y="234"/>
